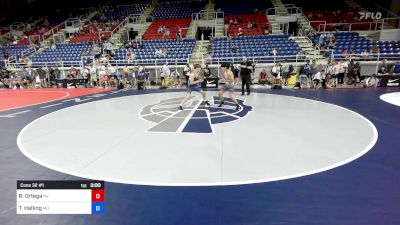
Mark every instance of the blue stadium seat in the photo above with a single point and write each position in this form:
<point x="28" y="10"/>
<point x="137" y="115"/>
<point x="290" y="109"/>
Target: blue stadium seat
<point x="255" y="46"/>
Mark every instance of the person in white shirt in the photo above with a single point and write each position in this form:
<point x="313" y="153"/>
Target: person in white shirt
<point x="166" y="33"/>
<point x="273" y="52"/>
<point x="129" y="55"/>
<point x="176" y="78"/>
<point x="335" y="74"/>
<point x="164" y="52"/>
<point x="96" y="51"/>
<point x="317" y="79"/>
<point x="29" y="63"/>
<point x="342" y="70"/>
<point x="110" y="70"/>
<point x="364" y="54"/>
<point x="249" y="25"/>
<point x="85" y="73"/>
<point x="102" y="75"/>
<point x="240" y="33"/>
<point x="276" y="73"/>
<point x="226" y="28"/>
<point x="108" y="48"/>
<point x="165" y="72"/>
<point x="159" y="52"/>
<point x="93" y="76"/>
<point x="15" y="40"/>
<point x="37" y="80"/>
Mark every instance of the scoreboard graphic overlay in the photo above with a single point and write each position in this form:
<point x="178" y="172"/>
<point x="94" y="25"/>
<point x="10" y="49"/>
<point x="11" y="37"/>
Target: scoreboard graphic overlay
<point x="60" y="197"/>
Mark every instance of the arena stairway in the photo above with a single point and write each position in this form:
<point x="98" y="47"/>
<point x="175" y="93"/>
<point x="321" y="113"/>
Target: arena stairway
<point x="308" y="48"/>
<point x="200" y="49"/>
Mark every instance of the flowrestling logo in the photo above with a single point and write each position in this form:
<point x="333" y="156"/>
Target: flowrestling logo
<point x="195" y="118"/>
<point x="370" y="15"/>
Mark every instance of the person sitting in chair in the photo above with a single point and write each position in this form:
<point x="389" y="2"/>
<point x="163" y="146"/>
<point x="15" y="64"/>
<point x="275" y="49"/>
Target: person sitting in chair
<point x="263" y="77"/>
<point x="382" y="71"/>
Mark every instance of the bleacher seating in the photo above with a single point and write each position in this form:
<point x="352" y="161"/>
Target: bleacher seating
<point x="64" y="52"/>
<point x="60" y="16"/>
<point x="38" y="31"/>
<point x="389" y="48"/>
<point x="177" y="10"/>
<point x="4" y="30"/>
<point x="146" y="54"/>
<point x="353" y="40"/>
<point x="119" y="12"/>
<point x="178" y="15"/>
<point x="255" y="46"/>
<point x="55" y="19"/>
<point x="311" y="5"/>
<point x="13" y="50"/>
<point x="345" y="16"/>
<point x="260" y="21"/>
<point x="91" y="32"/>
<point x="231" y="7"/>
<point x="171" y="24"/>
<point x="327" y="10"/>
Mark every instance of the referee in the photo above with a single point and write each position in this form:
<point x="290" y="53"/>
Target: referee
<point x="245" y="71"/>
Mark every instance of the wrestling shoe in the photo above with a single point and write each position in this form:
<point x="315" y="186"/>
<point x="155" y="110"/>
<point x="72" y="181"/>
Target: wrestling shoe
<point x="221" y="104"/>
<point x="180" y="107"/>
<point x="237" y="107"/>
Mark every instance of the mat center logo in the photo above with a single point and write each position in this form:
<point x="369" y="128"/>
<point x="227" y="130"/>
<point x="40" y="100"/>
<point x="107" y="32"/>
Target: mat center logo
<point x="195" y="118"/>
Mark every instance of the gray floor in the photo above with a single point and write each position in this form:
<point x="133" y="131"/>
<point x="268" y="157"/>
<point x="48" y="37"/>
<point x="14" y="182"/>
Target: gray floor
<point x="283" y="137"/>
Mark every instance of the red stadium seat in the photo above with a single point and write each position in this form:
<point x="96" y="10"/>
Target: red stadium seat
<point x="171" y="24"/>
<point x="260" y="21"/>
<point x="344" y="17"/>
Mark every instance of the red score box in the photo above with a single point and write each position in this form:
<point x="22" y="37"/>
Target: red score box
<point x="97" y="195"/>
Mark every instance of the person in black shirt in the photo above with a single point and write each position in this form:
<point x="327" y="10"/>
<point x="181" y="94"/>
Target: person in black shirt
<point x="207" y="71"/>
<point x="6" y="55"/>
<point x="234" y="48"/>
<point x="131" y="34"/>
<point x="245" y="71"/>
<point x="235" y="71"/>
<point x="186" y="73"/>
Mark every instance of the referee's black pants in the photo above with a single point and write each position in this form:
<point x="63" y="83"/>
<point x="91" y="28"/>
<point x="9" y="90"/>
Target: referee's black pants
<point x="246" y="81"/>
<point x="341" y="78"/>
<point x="187" y="81"/>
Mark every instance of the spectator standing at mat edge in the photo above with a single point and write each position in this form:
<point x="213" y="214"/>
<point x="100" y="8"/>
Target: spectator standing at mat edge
<point x="245" y="71"/>
<point x="186" y="72"/>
